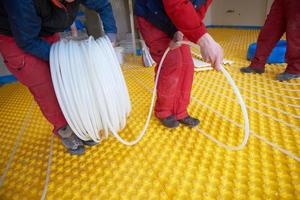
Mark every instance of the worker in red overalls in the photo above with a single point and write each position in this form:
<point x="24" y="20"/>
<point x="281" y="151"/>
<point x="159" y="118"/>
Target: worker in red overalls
<point x="27" y="30"/>
<point x="284" y="17"/>
<point x="162" y="23"/>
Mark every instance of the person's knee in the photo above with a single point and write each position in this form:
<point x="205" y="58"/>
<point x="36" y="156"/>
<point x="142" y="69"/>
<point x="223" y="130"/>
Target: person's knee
<point x="34" y="72"/>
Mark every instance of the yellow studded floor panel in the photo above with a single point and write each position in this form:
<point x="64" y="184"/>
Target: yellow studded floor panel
<point x="166" y="164"/>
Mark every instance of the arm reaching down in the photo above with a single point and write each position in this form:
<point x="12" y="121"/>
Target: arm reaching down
<point x="104" y="9"/>
<point x="189" y="22"/>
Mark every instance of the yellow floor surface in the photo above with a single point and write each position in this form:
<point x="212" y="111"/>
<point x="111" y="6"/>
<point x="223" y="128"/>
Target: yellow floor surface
<point x="166" y="164"/>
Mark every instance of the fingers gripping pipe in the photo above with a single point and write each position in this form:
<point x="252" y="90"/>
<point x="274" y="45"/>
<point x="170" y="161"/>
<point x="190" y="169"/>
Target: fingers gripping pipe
<point x="95" y="98"/>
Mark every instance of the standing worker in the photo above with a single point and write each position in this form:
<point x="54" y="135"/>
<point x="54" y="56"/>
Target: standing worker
<point x="27" y="30"/>
<point x="284" y="17"/>
<point x="162" y="23"/>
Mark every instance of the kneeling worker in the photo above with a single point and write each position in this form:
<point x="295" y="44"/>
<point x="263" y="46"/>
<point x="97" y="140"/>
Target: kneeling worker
<point x="27" y="29"/>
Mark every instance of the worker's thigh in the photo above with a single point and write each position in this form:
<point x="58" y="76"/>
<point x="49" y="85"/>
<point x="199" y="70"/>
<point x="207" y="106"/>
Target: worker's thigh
<point x="28" y="69"/>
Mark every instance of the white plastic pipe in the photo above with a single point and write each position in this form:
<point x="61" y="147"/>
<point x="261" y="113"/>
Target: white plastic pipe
<point x="92" y="92"/>
<point x="92" y="97"/>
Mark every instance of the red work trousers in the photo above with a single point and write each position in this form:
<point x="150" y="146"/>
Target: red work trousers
<point x="176" y="76"/>
<point x="35" y="74"/>
<point x="284" y="17"/>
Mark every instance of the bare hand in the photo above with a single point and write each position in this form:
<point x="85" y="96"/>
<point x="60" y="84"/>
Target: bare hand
<point x="211" y="51"/>
<point x="178" y="36"/>
<point x="113" y="38"/>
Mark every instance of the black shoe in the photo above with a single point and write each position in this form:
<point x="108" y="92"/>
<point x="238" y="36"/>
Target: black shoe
<point x="170" y="122"/>
<point x="78" y="151"/>
<point x="71" y="142"/>
<point x="252" y="70"/>
<point x="189" y="121"/>
<point x="89" y="143"/>
<point x="285" y="76"/>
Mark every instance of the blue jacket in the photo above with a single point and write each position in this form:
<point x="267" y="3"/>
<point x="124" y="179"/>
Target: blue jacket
<point x="22" y="20"/>
<point x="153" y="11"/>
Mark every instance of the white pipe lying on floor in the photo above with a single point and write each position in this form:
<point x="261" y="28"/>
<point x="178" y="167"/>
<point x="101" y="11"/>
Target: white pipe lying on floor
<point x="92" y="92"/>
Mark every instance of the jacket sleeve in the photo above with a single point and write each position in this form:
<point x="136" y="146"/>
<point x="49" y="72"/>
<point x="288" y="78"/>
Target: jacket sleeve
<point x="185" y="18"/>
<point x="25" y="25"/>
<point x="103" y="7"/>
<point x="203" y="9"/>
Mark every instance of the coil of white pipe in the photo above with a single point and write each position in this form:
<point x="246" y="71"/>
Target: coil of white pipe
<point x="93" y="95"/>
<point x="90" y="87"/>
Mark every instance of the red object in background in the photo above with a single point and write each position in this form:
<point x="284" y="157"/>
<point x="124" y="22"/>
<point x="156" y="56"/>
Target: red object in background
<point x="176" y="76"/>
<point x="58" y="4"/>
<point x="35" y="74"/>
<point x="284" y="17"/>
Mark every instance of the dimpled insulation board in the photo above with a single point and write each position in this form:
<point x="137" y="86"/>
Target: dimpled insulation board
<point x="166" y="164"/>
